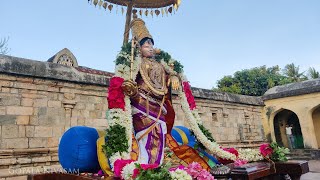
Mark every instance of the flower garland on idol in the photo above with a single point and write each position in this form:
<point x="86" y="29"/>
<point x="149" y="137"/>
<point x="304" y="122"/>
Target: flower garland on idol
<point x="119" y="113"/>
<point x="118" y="147"/>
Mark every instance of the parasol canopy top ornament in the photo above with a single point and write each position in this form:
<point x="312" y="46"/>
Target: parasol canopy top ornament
<point x="145" y="3"/>
<point x="138" y="7"/>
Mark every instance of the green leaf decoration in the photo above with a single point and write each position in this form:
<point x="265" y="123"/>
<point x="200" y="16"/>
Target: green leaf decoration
<point x="206" y="132"/>
<point x="115" y="140"/>
<point x="126" y="50"/>
<point x="279" y="153"/>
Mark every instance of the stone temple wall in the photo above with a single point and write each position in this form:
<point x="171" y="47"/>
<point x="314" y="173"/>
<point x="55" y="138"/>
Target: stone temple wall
<point x="39" y="101"/>
<point x="234" y="120"/>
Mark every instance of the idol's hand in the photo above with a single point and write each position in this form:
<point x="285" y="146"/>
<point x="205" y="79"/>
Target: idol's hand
<point x="175" y="83"/>
<point x="130" y="88"/>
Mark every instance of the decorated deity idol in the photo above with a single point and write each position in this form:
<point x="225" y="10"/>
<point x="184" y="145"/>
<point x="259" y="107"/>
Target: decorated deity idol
<point x="141" y="115"/>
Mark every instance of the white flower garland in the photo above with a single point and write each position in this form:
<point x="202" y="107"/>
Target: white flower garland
<point x="127" y="171"/>
<point x="213" y="147"/>
<point x="124" y="118"/>
<point x="120" y="117"/>
<point x="123" y="70"/>
<point x="180" y="174"/>
<point x="196" y="115"/>
<point x="116" y="156"/>
<point x="183" y="77"/>
<point x="250" y="155"/>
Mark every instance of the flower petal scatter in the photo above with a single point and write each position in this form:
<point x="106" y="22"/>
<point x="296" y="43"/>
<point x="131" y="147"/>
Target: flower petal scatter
<point x="205" y="175"/>
<point x="240" y="162"/>
<point x="195" y="170"/>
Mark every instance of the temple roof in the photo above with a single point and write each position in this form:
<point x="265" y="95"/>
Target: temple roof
<point x="49" y="70"/>
<point x="52" y="69"/>
<point x="293" y="89"/>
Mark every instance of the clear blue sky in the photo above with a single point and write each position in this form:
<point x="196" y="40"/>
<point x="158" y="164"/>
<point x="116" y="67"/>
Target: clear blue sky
<point x="211" y="38"/>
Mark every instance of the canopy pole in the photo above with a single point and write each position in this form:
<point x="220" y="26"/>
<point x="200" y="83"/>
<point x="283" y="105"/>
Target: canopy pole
<point x="127" y="26"/>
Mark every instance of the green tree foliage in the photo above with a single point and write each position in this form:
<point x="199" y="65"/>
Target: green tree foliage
<point x="3" y="46"/>
<point x="253" y="82"/>
<point x="313" y="73"/>
<point x="293" y="73"/>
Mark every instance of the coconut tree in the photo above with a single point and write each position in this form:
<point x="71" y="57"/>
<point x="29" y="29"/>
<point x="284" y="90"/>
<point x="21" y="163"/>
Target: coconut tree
<point x="313" y="73"/>
<point x="3" y="46"/>
<point x="293" y="73"/>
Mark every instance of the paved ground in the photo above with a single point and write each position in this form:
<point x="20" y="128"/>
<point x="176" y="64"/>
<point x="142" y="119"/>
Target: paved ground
<point x="314" y="174"/>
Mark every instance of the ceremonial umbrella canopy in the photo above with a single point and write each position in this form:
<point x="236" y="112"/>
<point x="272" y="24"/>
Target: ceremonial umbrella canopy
<point x="141" y="7"/>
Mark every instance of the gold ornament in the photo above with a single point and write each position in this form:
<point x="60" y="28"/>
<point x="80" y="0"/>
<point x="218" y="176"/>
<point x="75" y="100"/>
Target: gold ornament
<point x="130" y="88"/>
<point x="139" y="29"/>
<point x="153" y="74"/>
<point x="175" y="83"/>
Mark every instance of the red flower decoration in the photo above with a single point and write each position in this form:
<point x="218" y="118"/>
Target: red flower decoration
<point x="190" y="98"/>
<point x="230" y="150"/>
<point x="149" y="166"/>
<point x="115" y="94"/>
<point x="136" y="172"/>
<point x="265" y="149"/>
<point x="119" y="165"/>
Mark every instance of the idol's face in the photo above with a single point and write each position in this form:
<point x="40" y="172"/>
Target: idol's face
<point x="147" y="50"/>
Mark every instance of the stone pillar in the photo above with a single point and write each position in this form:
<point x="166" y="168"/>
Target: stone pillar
<point x="68" y="106"/>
